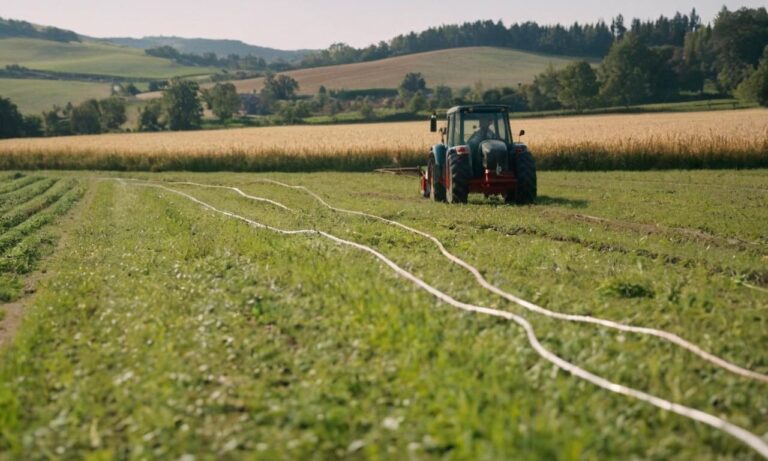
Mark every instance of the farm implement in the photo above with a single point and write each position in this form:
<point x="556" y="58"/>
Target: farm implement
<point x="477" y="154"/>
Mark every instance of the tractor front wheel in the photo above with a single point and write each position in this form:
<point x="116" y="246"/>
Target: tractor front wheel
<point x="458" y="169"/>
<point x="525" y="170"/>
<point x="436" y="188"/>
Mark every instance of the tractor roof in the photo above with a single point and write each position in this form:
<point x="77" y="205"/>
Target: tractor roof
<point x="479" y="108"/>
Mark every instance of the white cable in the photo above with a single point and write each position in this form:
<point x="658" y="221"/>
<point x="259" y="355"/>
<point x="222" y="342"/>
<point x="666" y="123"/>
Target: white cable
<point x="665" y="335"/>
<point x="251" y="197"/>
<point x="750" y="439"/>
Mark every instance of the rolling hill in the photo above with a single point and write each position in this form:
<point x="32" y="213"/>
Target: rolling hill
<point x="456" y="68"/>
<point x="221" y="48"/>
<point x="89" y="57"/>
<point x="34" y="96"/>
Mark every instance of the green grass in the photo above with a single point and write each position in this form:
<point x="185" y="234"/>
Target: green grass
<point x="28" y="204"/>
<point x="34" y="96"/>
<point x="90" y="58"/>
<point x="166" y="329"/>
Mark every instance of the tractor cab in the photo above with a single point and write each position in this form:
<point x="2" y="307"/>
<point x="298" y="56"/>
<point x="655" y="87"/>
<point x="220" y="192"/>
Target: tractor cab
<point x="477" y="154"/>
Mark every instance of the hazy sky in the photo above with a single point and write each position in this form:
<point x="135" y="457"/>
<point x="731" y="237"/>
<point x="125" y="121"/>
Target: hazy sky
<point x="317" y="24"/>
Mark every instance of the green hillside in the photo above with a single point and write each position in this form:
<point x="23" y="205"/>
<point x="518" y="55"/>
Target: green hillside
<point x="34" y="96"/>
<point x="456" y="68"/>
<point x="221" y="48"/>
<point x="89" y="57"/>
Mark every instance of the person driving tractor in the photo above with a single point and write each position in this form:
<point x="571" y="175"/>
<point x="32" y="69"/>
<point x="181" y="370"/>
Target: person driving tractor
<point x="484" y="132"/>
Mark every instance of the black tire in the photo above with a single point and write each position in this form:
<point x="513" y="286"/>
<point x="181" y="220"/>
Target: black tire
<point x="458" y="168"/>
<point x="436" y="188"/>
<point x="525" y="169"/>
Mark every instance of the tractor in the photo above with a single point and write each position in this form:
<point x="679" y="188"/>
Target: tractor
<point x="477" y="154"/>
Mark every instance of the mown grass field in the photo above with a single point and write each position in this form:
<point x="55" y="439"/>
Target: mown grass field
<point x="35" y="96"/>
<point x="90" y="57"/>
<point x="724" y="139"/>
<point x="27" y="205"/>
<point x="493" y="67"/>
<point x="163" y="328"/>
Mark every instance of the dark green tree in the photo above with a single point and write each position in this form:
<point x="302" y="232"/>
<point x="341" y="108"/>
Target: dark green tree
<point x="755" y="86"/>
<point x="223" y="100"/>
<point x="33" y="126"/>
<point x="113" y="113"/>
<point x="321" y="98"/>
<point x="366" y="109"/>
<point x="443" y="96"/>
<point x="543" y="93"/>
<point x="151" y="117"/>
<point x="11" y="121"/>
<point x="417" y="103"/>
<point x="492" y="96"/>
<point x="279" y="87"/>
<point x="182" y="105"/>
<point x="578" y="86"/>
<point x="738" y="39"/>
<point x="294" y="111"/>
<point x="625" y="74"/>
<point x="131" y="90"/>
<point x="513" y="99"/>
<point x="413" y="83"/>
<point x="56" y="121"/>
<point x="86" y="118"/>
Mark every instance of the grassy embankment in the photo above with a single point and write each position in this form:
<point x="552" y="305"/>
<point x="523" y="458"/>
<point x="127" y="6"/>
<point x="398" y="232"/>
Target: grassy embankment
<point x="167" y="329"/>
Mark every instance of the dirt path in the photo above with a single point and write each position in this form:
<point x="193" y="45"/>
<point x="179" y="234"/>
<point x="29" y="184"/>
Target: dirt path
<point x="14" y="312"/>
<point x="11" y="321"/>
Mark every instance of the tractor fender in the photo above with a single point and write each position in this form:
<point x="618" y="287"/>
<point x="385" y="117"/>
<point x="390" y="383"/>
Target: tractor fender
<point x="519" y="147"/>
<point x="438" y="152"/>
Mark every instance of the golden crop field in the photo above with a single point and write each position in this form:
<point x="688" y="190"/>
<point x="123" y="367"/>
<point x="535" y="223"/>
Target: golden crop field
<point x="679" y="140"/>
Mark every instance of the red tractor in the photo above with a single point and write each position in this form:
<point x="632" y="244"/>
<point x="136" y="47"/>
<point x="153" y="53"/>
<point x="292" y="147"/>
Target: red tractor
<point x="477" y="154"/>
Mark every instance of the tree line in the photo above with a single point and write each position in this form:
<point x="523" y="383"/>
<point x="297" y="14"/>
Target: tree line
<point x="731" y="54"/>
<point x="89" y="117"/>
<point x="587" y="40"/>
<point x="13" y="28"/>
<point x="231" y="61"/>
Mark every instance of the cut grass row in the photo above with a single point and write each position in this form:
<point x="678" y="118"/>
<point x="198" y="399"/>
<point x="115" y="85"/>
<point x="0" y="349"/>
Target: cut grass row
<point x="24" y="238"/>
<point x="15" y="181"/>
<point x="24" y="194"/>
<point x="192" y="333"/>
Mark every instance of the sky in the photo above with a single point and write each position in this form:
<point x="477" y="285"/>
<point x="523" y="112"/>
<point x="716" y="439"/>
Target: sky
<point x="316" y="24"/>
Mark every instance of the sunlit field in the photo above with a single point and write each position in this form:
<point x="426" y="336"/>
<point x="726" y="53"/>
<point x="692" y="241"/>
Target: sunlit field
<point x="683" y="140"/>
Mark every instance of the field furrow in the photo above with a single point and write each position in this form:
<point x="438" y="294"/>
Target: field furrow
<point x="24" y="194"/>
<point x="16" y="181"/>
<point x="11" y="237"/>
<point x="241" y="341"/>
<point x="36" y="203"/>
<point x="24" y="239"/>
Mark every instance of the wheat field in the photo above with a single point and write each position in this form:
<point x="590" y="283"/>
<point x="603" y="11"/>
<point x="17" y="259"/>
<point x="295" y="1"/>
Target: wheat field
<point x="734" y="139"/>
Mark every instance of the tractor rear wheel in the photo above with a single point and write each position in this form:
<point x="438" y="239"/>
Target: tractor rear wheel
<point x="458" y="169"/>
<point x="525" y="170"/>
<point x="436" y="188"/>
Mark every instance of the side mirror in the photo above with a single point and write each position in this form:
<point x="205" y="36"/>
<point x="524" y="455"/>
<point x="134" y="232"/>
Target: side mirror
<point x="433" y="122"/>
<point x="522" y="132"/>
